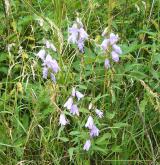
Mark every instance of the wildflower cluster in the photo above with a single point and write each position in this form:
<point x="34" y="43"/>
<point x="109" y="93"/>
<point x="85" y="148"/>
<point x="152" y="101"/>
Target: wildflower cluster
<point x="110" y="47"/>
<point x="94" y="131"/>
<point x="77" y="35"/>
<point x="50" y="65"/>
<point x="70" y="105"/>
<point x="73" y="108"/>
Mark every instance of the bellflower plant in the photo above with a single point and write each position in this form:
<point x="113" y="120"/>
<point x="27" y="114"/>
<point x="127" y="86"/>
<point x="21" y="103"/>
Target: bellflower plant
<point x="70" y="105"/>
<point x="41" y="54"/>
<point x="45" y="72"/>
<point x="76" y="93"/>
<point x="87" y="145"/>
<point x="107" y="64"/>
<point x="94" y="131"/>
<point x="50" y="65"/>
<point x="89" y="123"/>
<point x="77" y="35"/>
<point x="62" y="120"/>
<point x="79" y="95"/>
<point x="99" y="113"/>
<point x="74" y="110"/>
<point x="109" y="47"/>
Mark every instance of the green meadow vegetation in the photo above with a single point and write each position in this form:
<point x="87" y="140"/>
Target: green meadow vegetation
<point x="127" y="92"/>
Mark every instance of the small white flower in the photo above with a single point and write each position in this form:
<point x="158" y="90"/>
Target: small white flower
<point x="104" y="32"/>
<point x="50" y="45"/>
<point x="69" y="103"/>
<point x="79" y="95"/>
<point x="99" y="113"/>
<point x="90" y="106"/>
<point x="73" y="92"/>
<point x="63" y="120"/>
<point x="41" y="54"/>
<point x="41" y="22"/>
<point x="53" y="47"/>
<point x="89" y="123"/>
<point x="79" y="22"/>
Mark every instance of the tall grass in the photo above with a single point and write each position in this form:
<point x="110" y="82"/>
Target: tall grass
<point x="128" y="93"/>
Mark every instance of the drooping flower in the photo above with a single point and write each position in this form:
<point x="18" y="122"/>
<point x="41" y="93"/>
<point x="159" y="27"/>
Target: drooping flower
<point x="90" y="106"/>
<point x="73" y="31"/>
<point x="53" y="78"/>
<point x="74" y="110"/>
<point x="50" y="45"/>
<point x="117" y="49"/>
<point x="55" y="66"/>
<point x="83" y="34"/>
<point x="115" y="56"/>
<point x="109" y="45"/>
<point x="62" y="120"/>
<point x="73" y="92"/>
<point x="107" y="64"/>
<point x="76" y="93"/>
<point x="79" y="95"/>
<point x="77" y="35"/>
<point x="113" y="38"/>
<point x="51" y="63"/>
<point x="105" y="32"/>
<point x="105" y="44"/>
<point x="80" y="45"/>
<point x="87" y="145"/>
<point x="99" y="113"/>
<point x="45" y="72"/>
<point x="89" y="123"/>
<point x="94" y="131"/>
<point x="69" y="103"/>
<point x="41" y="54"/>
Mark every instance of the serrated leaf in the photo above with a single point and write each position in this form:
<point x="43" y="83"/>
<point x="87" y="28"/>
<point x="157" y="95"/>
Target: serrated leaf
<point x="110" y="115"/>
<point x="138" y="75"/>
<point x="143" y="104"/>
<point x="120" y="125"/>
<point x="70" y="151"/>
<point x="116" y="149"/>
<point x="102" y="139"/>
<point x="84" y="110"/>
<point x="100" y="149"/>
<point x="64" y="139"/>
<point x="74" y="133"/>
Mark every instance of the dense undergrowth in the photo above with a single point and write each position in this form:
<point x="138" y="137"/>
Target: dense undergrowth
<point x="127" y="93"/>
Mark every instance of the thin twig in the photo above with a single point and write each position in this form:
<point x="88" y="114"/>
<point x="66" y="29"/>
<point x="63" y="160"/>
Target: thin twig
<point x="146" y="131"/>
